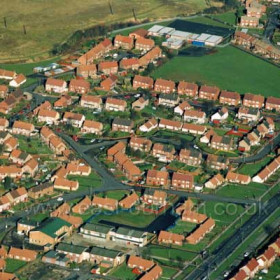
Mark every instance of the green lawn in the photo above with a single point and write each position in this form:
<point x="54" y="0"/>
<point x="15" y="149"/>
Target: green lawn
<point x="91" y="181"/>
<point x="118" y="194"/>
<point x="182" y="227"/>
<point x="33" y="145"/>
<point x="221" y="69"/>
<point x="167" y="253"/>
<point x="253" y="168"/>
<point x="27" y="68"/>
<point x="167" y="272"/>
<point x="123" y="272"/>
<point x="13" y="265"/>
<point x="250" y="191"/>
<point x="228" y="17"/>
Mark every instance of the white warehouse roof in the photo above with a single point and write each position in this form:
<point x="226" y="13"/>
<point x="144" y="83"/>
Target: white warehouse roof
<point x="203" y="37"/>
<point x="156" y="28"/>
<point x="214" y="39"/>
<point x="180" y="34"/>
<point x="166" y="30"/>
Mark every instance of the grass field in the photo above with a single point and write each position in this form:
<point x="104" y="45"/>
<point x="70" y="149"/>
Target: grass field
<point x="253" y="168"/>
<point x="33" y="145"/>
<point x="250" y="191"/>
<point x="91" y="181"/>
<point x="228" y="17"/>
<point x="123" y="272"/>
<point x="220" y="69"/>
<point x="27" y="68"/>
<point x="51" y="22"/>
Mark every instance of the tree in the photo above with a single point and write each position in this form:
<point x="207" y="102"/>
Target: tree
<point x="8" y="183"/>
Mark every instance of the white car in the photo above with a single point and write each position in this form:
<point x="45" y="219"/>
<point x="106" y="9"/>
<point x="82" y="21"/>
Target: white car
<point x="60" y="199"/>
<point x="226" y="274"/>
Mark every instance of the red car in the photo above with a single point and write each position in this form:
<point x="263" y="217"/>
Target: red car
<point x="75" y="138"/>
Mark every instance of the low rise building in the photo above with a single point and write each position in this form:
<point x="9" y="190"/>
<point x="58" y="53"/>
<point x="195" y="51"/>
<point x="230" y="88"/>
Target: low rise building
<point x="114" y="104"/>
<point x="182" y="181"/>
<point x="143" y="82"/>
<point x="157" y="178"/>
<point x="188" y="89"/>
<point x="124" y="125"/>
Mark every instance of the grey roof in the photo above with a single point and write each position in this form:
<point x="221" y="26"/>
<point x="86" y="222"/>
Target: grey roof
<point x="58" y="256"/>
<point x="104" y="252"/>
<point x="41" y="187"/>
<point x="253" y="111"/>
<point x="120" y="121"/>
<point x="70" y="248"/>
<point x="97" y="227"/>
<point x="130" y="232"/>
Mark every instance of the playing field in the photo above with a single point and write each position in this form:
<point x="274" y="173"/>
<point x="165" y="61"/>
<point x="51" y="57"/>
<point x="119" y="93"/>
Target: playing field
<point x="228" y="68"/>
<point x="50" y="22"/>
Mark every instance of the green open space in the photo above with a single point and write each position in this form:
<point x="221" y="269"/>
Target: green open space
<point x="168" y="272"/>
<point x="252" y="169"/>
<point x="228" y="17"/>
<point x="123" y="272"/>
<point x="220" y="67"/>
<point x="91" y="181"/>
<point x="182" y="227"/>
<point x="118" y="194"/>
<point x="166" y="253"/>
<point x="250" y="191"/>
<point x="13" y="265"/>
<point x="27" y="68"/>
<point x="33" y="145"/>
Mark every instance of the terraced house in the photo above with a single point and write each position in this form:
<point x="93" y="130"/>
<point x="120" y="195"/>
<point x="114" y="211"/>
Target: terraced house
<point x="164" y="86"/>
<point x="188" y="89"/>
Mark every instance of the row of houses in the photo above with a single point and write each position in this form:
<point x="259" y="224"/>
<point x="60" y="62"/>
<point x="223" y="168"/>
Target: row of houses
<point x="16" y="80"/>
<point x="264" y="129"/>
<point x="254" y="11"/>
<point x="205" y="225"/>
<point x="10" y="101"/>
<point x="260" y="47"/>
<point x="122" y="161"/>
<point x="206" y="92"/>
<point x="263" y="261"/>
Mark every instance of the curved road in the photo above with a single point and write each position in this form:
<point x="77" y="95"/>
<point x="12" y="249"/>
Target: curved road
<point x="273" y="143"/>
<point x="109" y="180"/>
